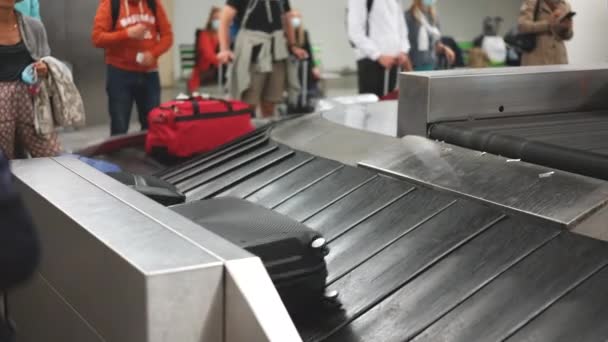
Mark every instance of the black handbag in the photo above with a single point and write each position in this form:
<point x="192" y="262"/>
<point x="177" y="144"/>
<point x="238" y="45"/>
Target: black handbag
<point x="525" y="42"/>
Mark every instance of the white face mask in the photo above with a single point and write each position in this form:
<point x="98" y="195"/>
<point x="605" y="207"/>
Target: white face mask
<point x="429" y="2"/>
<point x="215" y="24"/>
<point x="296" y="22"/>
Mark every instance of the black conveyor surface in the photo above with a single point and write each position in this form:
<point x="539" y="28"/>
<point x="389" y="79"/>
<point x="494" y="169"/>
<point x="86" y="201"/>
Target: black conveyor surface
<point x="573" y="142"/>
<point x="412" y="263"/>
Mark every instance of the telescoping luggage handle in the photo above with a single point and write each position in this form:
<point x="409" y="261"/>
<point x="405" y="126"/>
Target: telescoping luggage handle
<point x="387" y="76"/>
<point x="304" y="93"/>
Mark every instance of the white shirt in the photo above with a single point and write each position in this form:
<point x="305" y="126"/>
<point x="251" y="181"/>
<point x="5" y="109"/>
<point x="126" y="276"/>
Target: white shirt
<point x="387" y="29"/>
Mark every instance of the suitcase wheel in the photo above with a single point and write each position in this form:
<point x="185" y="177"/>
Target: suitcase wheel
<point x="330" y="299"/>
<point x="321" y="244"/>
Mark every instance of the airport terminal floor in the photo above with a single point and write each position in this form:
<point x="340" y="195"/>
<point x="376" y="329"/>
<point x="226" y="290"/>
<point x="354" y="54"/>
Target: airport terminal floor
<point x="395" y="200"/>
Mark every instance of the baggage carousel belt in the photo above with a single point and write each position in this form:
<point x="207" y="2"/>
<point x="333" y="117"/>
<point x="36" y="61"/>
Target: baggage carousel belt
<point x="414" y="263"/>
<point x="573" y="142"/>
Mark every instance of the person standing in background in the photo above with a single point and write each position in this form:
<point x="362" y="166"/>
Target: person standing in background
<point x="23" y="42"/>
<point x="552" y="27"/>
<point x="134" y="34"/>
<point x="264" y="42"/>
<point x="302" y="40"/>
<point x="207" y="46"/>
<point x="30" y="8"/>
<point x="380" y="39"/>
<point x="425" y="36"/>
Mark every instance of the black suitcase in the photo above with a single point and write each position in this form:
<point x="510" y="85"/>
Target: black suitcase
<point x="293" y="254"/>
<point x="152" y="187"/>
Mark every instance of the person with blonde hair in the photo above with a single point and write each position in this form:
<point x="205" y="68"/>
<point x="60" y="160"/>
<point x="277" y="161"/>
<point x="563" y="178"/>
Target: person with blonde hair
<point x="424" y="36"/>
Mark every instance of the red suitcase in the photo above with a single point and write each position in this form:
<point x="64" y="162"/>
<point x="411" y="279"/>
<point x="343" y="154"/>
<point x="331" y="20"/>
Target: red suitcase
<point x="183" y="128"/>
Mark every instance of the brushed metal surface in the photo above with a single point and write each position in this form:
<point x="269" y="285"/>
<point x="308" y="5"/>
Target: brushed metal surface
<point x="563" y="198"/>
<point x="41" y="314"/>
<point x="459" y="95"/>
<point x="254" y="314"/>
<point x="112" y="263"/>
<point x="378" y="117"/>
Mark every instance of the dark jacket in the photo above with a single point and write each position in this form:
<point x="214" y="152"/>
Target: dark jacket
<point x="19" y="251"/>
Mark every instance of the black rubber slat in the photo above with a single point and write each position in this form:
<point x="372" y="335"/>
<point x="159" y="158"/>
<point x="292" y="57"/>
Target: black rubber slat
<point x="571" y="142"/>
<point x="268" y="176"/>
<point x="238" y="175"/>
<point x="399" y="263"/>
<point x="581" y="315"/>
<point x="437" y="291"/>
<point x="240" y="151"/>
<point x="518" y="295"/>
<point x="307" y="175"/>
<point x="380" y="230"/>
<point x="220" y="169"/>
<point x="357" y="206"/>
<point x="257" y="135"/>
<point x="325" y="192"/>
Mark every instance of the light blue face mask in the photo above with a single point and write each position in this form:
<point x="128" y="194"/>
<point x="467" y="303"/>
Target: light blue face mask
<point x="29" y="75"/>
<point x="429" y="2"/>
<point x="296" y="22"/>
<point x="215" y="24"/>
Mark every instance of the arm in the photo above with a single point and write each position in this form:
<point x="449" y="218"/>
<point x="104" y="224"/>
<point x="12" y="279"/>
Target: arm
<point x="208" y="48"/>
<point x="104" y="35"/>
<point x="45" y="51"/>
<point x="357" y="21"/>
<point x="165" y="31"/>
<point x="404" y="35"/>
<point x="566" y="32"/>
<point x="226" y="19"/>
<point x="526" y="19"/>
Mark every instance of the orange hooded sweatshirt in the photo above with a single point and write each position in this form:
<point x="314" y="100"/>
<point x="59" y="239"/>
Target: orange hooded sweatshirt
<point x="121" y="51"/>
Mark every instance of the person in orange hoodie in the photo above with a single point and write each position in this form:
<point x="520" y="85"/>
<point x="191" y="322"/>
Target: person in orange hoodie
<point x="134" y="34"/>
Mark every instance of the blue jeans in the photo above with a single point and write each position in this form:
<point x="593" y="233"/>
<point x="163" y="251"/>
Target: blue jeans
<point x="124" y="88"/>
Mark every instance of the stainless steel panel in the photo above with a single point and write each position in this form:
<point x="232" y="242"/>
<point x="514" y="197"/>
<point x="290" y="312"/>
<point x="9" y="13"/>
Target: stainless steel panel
<point x="564" y="198"/>
<point x="323" y="138"/>
<point x="186" y="229"/>
<point x="459" y="95"/>
<point x="254" y="311"/>
<point x="378" y="117"/>
<point x="43" y="315"/>
<point x="124" y="272"/>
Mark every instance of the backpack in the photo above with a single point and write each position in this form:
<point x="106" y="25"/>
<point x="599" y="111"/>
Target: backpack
<point x="370" y="4"/>
<point x="116" y="10"/>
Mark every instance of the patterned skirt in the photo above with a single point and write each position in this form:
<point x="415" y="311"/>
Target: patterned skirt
<point x="17" y="124"/>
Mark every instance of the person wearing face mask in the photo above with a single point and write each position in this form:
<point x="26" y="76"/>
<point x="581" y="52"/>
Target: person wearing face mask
<point x="379" y="36"/>
<point x="553" y="26"/>
<point x="134" y="34"/>
<point x="302" y="40"/>
<point x="425" y="37"/>
<point x="23" y="42"/>
<point x="207" y="47"/>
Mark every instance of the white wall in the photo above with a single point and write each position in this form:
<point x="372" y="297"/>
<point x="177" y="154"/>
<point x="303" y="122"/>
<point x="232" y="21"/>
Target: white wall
<point x="325" y="19"/>
<point x="589" y="44"/>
